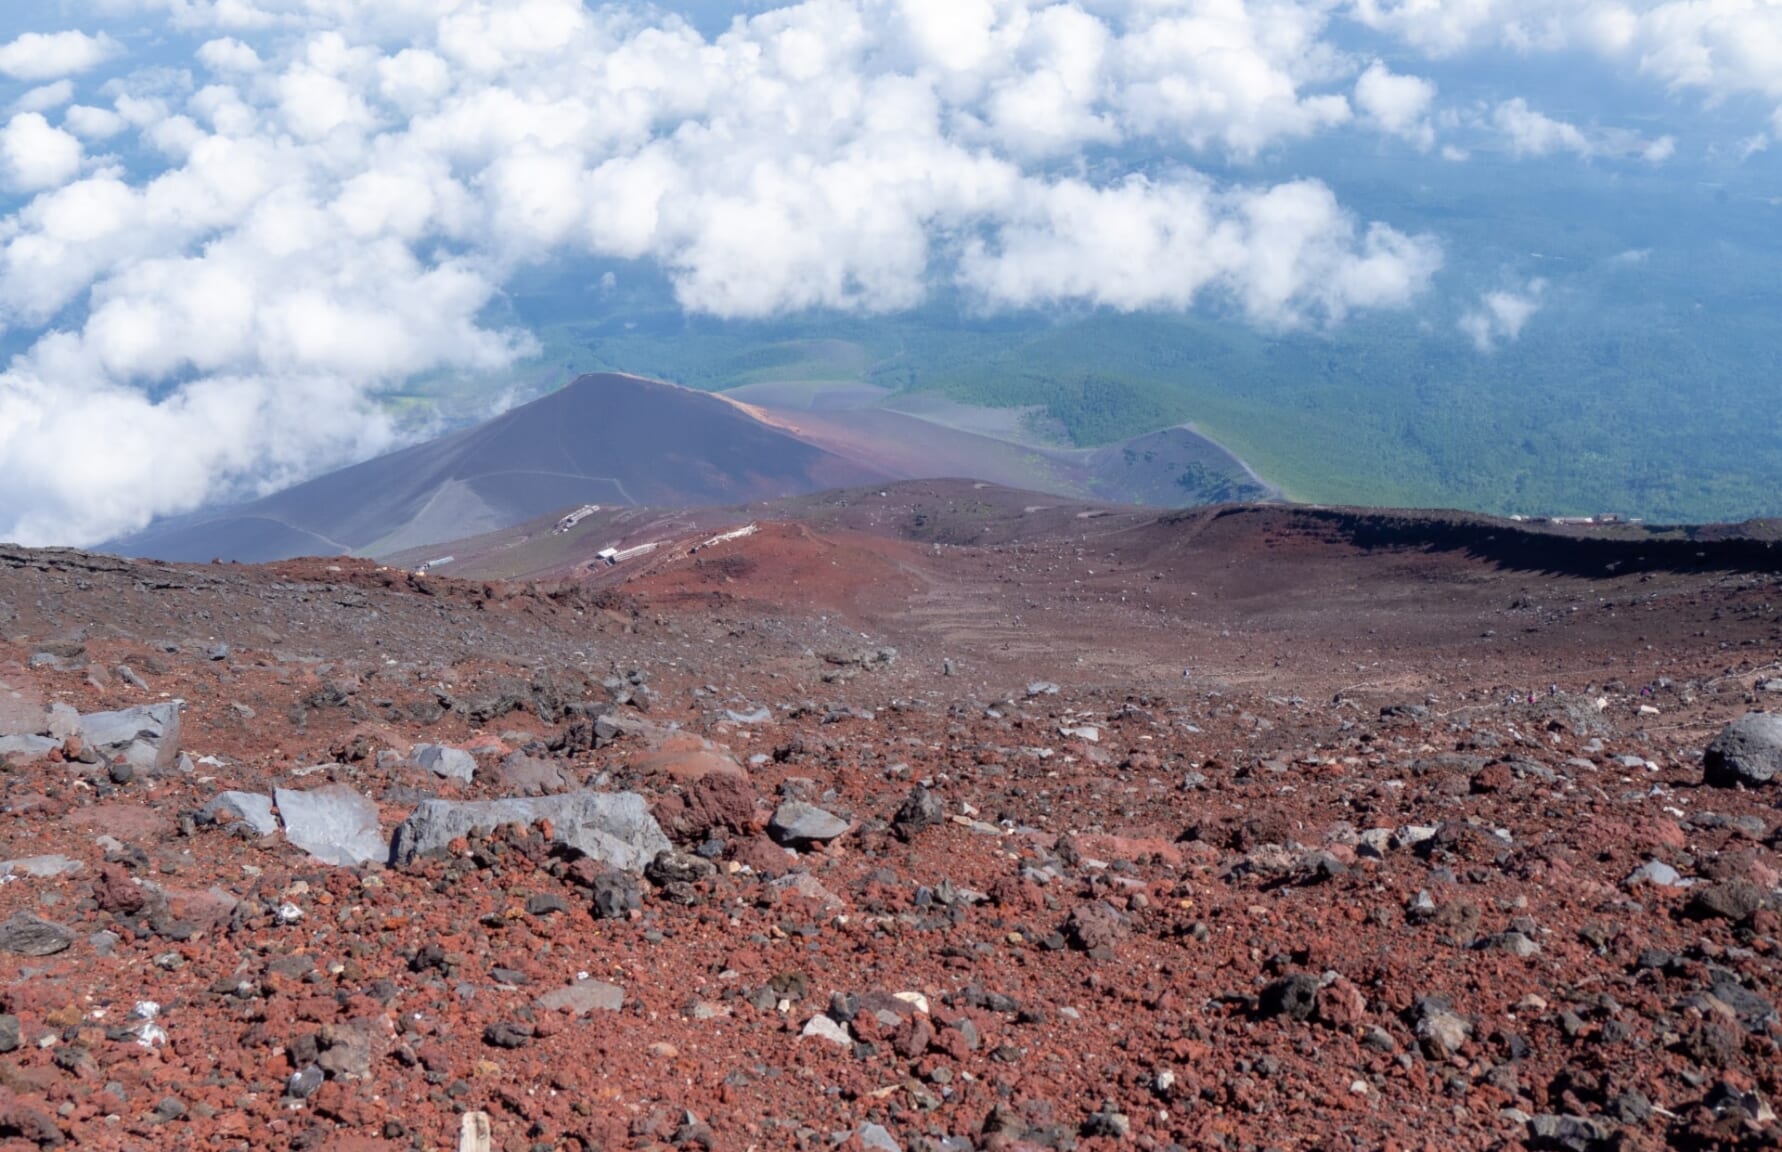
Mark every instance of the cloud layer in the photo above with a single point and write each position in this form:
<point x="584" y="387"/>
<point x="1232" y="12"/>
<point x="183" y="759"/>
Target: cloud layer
<point x="324" y="196"/>
<point x="343" y="187"/>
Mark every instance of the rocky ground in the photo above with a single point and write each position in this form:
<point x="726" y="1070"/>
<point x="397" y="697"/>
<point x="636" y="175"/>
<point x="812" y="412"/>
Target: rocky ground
<point x="940" y="850"/>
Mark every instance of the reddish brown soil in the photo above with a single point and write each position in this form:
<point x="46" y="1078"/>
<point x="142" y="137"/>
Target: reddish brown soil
<point x="1203" y="849"/>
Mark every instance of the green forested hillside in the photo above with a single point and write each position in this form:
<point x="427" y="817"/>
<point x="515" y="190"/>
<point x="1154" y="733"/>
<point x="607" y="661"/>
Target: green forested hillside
<point x="1647" y="382"/>
<point x="1381" y="414"/>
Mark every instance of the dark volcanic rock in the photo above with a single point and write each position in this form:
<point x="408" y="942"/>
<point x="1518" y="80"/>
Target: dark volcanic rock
<point x="28" y="935"/>
<point x="1570" y="1134"/>
<point x="1096" y="928"/>
<point x="616" y="895"/>
<point x="920" y="809"/>
<point x="1295" y="997"/>
<point x="672" y="867"/>
<point x="1735" y="900"/>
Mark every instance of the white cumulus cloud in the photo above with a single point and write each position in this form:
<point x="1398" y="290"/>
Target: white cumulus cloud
<point x="228" y="54"/>
<point x="36" y="154"/>
<point x="344" y="186"/>
<point x="1500" y="316"/>
<point x="1397" y="104"/>
<point x="92" y="123"/>
<point x="1531" y="133"/>
<point x="1281" y="254"/>
<point x="45" y="96"/>
<point x="49" y="56"/>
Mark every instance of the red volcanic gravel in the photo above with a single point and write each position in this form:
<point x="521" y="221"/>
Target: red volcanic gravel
<point x="1361" y="898"/>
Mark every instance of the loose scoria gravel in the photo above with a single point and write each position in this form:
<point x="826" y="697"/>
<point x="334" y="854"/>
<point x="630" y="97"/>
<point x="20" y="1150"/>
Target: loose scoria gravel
<point x="1384" y="893"/>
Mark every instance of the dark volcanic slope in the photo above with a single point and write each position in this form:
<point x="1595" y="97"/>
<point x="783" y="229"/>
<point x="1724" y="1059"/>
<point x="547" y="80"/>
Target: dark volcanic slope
<point x="1169" y="468"/>
<point x="605" y="439"/>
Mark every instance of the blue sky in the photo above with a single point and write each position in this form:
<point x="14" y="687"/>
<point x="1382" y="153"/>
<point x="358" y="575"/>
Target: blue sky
<point x="230" y="226"/>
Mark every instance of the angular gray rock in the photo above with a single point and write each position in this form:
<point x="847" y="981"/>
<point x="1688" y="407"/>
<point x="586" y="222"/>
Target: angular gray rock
<point x="347" y="1050"/>
<point x="1655" y="872"/>
<point x="823" y="1028"/>
<point x="22" y="712"/>
<point x="584" y="997"/>
<point x="64" y="722"/>
<point x="877" y="1138"/>
<point x="27" y="749"/>
<point x="1569" y="1133"/>
<point x="28" y="935"/>
<point x="1515" y="943"/>
<point x="445" y="762"/>
<point x="145" y="737"/>
<point x="1443" y="1033"/>
<point x="1747" y="751"/>
<point x="523" y="775"/>
<point x="795" y="823"/>
<point x="615" y="895"/>
<point x="920" y="809"/>
<point x="40" y="867"/>
<point x="615" y="828"/>
<point x="334" y="824"/>
<point x="248" y="808"/>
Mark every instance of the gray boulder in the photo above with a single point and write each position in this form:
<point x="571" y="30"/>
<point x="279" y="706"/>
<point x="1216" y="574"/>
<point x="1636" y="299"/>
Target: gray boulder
<point x="22" y="712"/>
<point x="145" y="737"/>
<point x="27" y="749"/>
<point x="64" y="722"/>
<point x="523" y="775"/>
<point x="248" y="808"/>
<point x="1747" y="751"/>
<point x="615" y="828"/>
<point x="28" y="935"/>
<point x="445" y="762"/>
<point x="40" y="867"/>
<point x="795" y="823"/>
<point x="335" y="824"/>
<point x="1654" y="872"/>
<point x="584" y="997"/>
<point x="877" y="1138"/>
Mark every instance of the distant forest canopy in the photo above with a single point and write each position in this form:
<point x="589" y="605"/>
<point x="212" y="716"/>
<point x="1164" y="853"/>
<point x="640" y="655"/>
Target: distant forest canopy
<point x="1636" y="421"/>
<point x="1646" y="381"/>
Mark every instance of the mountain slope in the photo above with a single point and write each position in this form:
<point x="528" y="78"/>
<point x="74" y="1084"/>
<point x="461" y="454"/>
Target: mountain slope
<point x="604" y="439"/>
